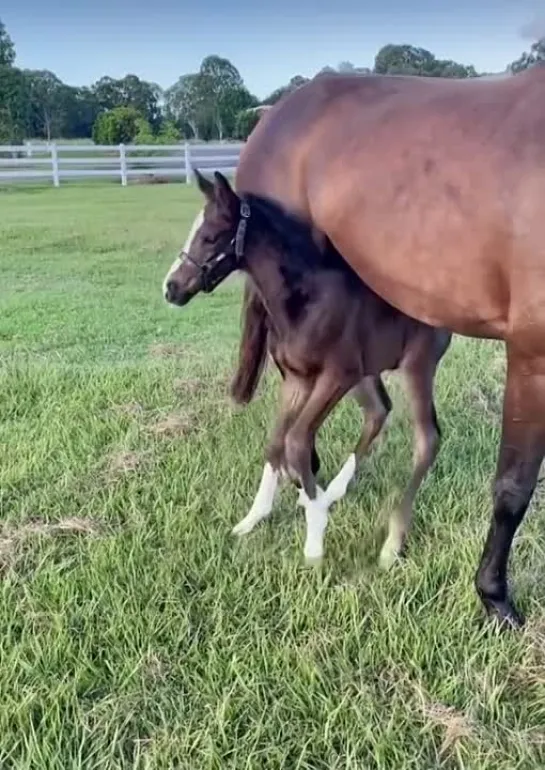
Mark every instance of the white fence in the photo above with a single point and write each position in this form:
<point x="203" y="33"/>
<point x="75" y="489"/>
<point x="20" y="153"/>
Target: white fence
<point x="124" y="162"/>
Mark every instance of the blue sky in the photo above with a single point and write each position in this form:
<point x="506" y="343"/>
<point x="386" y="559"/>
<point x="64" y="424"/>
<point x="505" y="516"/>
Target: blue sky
<point x="163" y="39"/>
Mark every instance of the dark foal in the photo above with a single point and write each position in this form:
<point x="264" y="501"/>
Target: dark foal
<point x="328" y="333"/>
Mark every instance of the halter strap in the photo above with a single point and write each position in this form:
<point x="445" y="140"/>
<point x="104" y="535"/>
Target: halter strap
<point x="211" y="276"/>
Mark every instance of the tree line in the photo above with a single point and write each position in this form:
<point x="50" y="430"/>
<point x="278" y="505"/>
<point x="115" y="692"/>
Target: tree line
<point x="211" y="103"/>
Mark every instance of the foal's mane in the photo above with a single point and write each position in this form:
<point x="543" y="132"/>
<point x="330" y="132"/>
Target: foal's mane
<point x="299" y="250"/>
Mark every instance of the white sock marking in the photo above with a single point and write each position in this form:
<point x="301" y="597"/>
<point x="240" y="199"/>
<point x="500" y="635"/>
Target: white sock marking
<point x="338" y="486"/>
<point x="197" y="222"/>
<point x="316" y="515"/>
<point x="263" y="501"/>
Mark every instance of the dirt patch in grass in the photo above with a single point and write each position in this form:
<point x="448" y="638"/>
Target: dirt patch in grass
<point x="12" y="538"/>
<point x="130" y="409"/>
<point x="456" y="725"/>
<point x="166" y="350"/>
<point x="488" y="400"/>
<point x="175" y="425"/>
<point x="124" y="462"/>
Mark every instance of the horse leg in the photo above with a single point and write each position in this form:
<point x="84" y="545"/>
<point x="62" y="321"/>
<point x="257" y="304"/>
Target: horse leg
<point x="375" y="402"/>
<point x="521" y="451"/>
<point x="294" y="392"/>
<point x="427" y="436"/>
<point x="315" y="459"/>
<point x="327" y="392"/>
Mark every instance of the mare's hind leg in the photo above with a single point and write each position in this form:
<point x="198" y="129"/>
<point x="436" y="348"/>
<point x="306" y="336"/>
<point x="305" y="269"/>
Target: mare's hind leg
<point x="521" y="452"/>
<point x="375" y="402"/>
<point x="329" y="388"/>
<point x="294" y="393"/>
<point x="427" y="437"/>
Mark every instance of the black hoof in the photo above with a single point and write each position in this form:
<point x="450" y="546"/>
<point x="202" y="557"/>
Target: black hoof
<point x="504" y="614"/>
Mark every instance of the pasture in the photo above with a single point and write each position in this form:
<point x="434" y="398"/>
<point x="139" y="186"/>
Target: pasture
<point x="135" y="631"/>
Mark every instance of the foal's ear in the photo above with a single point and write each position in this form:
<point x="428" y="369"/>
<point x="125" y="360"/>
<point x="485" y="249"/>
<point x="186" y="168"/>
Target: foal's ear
<point x="224" y="193"/>
<point x="204" y="185"/>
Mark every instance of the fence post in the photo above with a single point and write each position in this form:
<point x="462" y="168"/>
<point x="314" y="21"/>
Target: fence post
<point x="188" y="169"/>
<point x="123" y="161"/>
<point x="55" y="164"/>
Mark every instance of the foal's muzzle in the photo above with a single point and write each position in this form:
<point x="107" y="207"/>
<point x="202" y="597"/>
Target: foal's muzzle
<point x="175" y="295"/>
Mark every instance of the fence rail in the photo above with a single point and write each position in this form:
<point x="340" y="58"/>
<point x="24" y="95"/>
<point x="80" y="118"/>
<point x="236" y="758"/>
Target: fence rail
<point x="123" y="162"/>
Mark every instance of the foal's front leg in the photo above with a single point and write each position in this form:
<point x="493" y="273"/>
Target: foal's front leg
<point x="294" y="393"/>
<point x="329" y="389"/>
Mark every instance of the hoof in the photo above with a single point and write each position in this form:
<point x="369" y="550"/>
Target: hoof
<point x="504" y="615"/>
<point x="313" y="561"/>
<point x="392" y="551"/>
<point x="388" y="557"/>
<point x="243" y="528"/>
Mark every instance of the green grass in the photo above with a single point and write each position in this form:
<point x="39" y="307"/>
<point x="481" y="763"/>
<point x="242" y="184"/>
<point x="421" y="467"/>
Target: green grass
<point x="135" y="632"/>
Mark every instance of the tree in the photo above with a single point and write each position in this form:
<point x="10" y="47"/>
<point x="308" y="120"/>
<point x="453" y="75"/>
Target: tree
<point x="403" y="59"/>
<point x="223" y="92"/>
<point x="144" y="133"/>
<point x="117" y="126"/>
<point x="407" y="59"/>
<point x="168" y="133"/>
<point x="129" y="91"/>
<point x="14" y="105"/>
<point x="48" y="102"/>
<point x="246" y="121"/>
<point x="82" y="110"/>
<point x="530" y="58"/>
<point x="295" y="82"/>
<point x="184" y="101"/>
<point x="345" y="68"/>
<point x="232" y="104"/>
<point x="7" y="49"/>
<point x="451" y="69"/>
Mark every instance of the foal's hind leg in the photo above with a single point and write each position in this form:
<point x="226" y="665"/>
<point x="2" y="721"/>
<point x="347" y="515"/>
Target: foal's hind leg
<point x="521" y="452"/>
<point x="427" y="435"/>
<point x="375" y="402"/>
<point x="294" y="393"/>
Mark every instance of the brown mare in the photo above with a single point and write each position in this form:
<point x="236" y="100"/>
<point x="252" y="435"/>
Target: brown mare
<point x="433" y="191"/>
<point x="328" y="334"/>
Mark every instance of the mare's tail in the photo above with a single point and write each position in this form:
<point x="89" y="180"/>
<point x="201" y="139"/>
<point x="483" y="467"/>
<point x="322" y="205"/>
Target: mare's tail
<point x="253" y="346"/>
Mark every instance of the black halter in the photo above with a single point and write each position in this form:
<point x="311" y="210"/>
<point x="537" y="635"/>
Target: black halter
<point x="219" y="266"/>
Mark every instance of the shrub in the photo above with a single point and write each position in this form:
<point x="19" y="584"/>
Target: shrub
<point x="117" y="126"/>
<point x="144" y="134"/>
<point x="168" y="134"/>
<point x="245" y="123"/>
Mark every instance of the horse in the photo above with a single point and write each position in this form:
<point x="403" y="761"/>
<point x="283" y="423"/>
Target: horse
<point x="433" y="191"/>
<point x="329" y="335"/>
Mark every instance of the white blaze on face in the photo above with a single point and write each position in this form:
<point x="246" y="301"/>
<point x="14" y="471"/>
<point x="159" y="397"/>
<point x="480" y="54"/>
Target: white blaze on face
<point x="177" y="262"/>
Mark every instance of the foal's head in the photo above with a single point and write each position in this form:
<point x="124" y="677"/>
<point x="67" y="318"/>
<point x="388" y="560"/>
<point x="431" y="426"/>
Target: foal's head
<point x="215" y="246"/>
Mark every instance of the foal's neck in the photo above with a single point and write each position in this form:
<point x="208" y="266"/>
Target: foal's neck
<point x="284" y="287"/>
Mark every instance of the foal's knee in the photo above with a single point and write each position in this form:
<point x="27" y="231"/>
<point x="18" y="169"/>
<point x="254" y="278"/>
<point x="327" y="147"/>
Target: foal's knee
<point x="298" y="454"/>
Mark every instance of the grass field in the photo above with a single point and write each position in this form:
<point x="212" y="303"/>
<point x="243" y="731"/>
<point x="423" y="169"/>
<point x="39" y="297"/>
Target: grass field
<point x="135" y="632"/>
